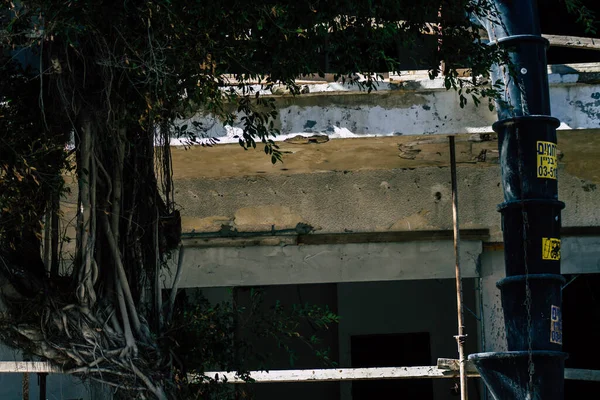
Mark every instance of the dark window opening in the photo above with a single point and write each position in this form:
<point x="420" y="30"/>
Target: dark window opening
<point x="581" y="324"/>
<point x="394" y="350"/>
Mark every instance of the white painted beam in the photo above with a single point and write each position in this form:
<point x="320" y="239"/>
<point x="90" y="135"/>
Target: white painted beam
<point x="328" y="263"/>
<point x="339" y="374"/>
<point x="574" y="42"/>
<point x="29" y="367"/>
<point x="358" y="374"/>
<point x="310" y="375"/>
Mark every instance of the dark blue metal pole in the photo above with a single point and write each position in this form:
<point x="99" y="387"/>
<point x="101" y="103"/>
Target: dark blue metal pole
<point x="533" y="368"/>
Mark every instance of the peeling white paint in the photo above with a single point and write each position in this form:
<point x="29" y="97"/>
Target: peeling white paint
<point x="578" y="107"/>
<point x="405" y="105"/>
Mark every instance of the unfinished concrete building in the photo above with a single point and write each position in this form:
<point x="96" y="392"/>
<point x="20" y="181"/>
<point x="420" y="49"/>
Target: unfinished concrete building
<point x="359" y="217"/>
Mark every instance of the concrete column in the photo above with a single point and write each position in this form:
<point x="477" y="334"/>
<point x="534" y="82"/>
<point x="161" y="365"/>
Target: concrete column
<point x="491" y="271"/>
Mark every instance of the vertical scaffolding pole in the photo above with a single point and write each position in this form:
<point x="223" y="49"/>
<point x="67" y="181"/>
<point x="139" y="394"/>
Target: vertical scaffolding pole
<point x="26" y="380"/>
<point x="25" y="387"/>
<point x="460" y="338"/>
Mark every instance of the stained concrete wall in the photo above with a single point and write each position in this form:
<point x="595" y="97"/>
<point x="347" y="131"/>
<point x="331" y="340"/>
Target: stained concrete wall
<point x="369" y="200"/>
<point x="343" y="201"/>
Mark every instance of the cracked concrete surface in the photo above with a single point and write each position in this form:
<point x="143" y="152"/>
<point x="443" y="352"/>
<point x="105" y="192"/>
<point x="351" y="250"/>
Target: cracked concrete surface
<point x="364" y="185"/>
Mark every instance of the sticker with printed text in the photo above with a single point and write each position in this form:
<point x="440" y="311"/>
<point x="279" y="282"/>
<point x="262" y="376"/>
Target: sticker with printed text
<point x="550" y="249"/>
<point x="555" y="325"/>
<point x="546" y="160"/>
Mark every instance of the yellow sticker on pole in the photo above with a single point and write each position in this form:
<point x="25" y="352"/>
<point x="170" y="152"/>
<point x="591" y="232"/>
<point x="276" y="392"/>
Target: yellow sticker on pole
<point x="550" y="249"/>
<point x="546" y="160"/>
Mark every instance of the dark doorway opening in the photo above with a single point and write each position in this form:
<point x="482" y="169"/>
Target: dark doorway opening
<point x="581" y="324"/>
<point x="393" y="350"/>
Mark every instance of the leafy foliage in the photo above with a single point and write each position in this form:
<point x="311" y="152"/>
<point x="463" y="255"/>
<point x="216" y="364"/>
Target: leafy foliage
<point x="209" y="330"/>
<point x="585" y="16"/>
<point x="32" y="155"/>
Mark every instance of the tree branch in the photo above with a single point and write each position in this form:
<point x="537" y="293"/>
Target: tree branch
<point x="121" y="277"/>
<point x="175" y="287"/>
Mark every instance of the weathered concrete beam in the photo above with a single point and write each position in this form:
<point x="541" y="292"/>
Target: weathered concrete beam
<point x="288" y="237"/>
<point x="580" y="255"/>
<point x="355" y="262"/>
<point x="364" y="185"/>
<point x="574" y="42"/>
<point x="363" y="262"/>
